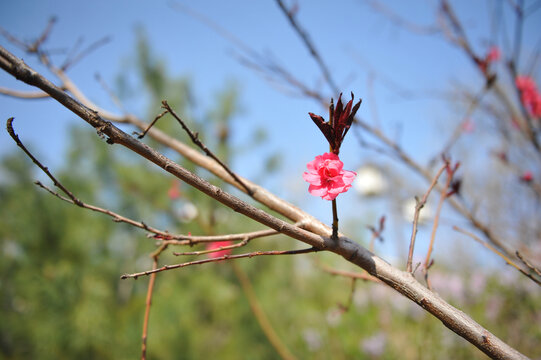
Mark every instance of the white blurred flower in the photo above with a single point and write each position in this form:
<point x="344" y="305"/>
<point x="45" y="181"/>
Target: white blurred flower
<point x="370" y="181"/>
<point x="408" y="211"/>
<point x="185" y="211"/>
<point x="312" y="337"/>
<point x="334" y="317"/>
<point x="12" y="249"/>
<point x="374" y="345"/>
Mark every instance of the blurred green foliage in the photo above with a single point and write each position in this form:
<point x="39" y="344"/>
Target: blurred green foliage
<point x="61" y="296"/>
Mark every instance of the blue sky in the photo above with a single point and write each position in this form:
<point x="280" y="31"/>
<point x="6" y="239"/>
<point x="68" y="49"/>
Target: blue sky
<point x="355" y="42"/>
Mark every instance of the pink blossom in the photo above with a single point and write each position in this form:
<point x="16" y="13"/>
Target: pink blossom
<point x="527" y="176"/>
<point x="529" y="95"/>
<point x="174" y="191"/>
<point x="467" y="126"/>
<point x="494" y="54"/>
<point x="217" y="245"/>
<point x="327" y="177"/>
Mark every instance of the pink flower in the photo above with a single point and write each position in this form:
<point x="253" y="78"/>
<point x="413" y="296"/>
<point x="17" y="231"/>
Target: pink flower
<point x="529" y="95"/>
<point x="217" y="245"/>
<point x="174" y="191"/>
<point x="494" y="54"/>
<point x="326" y="176"/>
<point x="527" y="176"/>
<point x="467" y="126"/>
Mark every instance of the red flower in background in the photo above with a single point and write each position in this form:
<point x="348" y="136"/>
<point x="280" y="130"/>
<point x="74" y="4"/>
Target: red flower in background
<point x="174" y="191"/>
<point x="327" y="177"/>
<point x="527" y="176"/>
<point x="341" y="118"/>
<point x="493" y="55"/>
<point x="467" y="126"/>
<point x="217" y="245"/>
<point x="529" y="95"/>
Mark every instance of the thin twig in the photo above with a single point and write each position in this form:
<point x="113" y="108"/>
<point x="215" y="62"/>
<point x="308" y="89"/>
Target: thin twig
<point x="148" y="303"/>
<point x="528" y="264"/>
<point x="69" y="62"/>
<point x="345" y="307"/>
<point x="242" y="243"/>
<point x="12" y="39"/>
<point x="44" y="35"/>
<point x="459" y="129"/>
<point x="114" y="98"/>
<point x="402" y="21"/>
<point x="376" y="233"/>
<point x="195" y="139"/>
<point x="159" y="116"/>
<point x="164" y="236"/>
<point x="116" y="217"/>
<point x="309" y="45"/>
<point x="225" y="257"/>
<point x="15" y="137"/>
<point x="349" y="274"/>
<point x="418" y="206"/>
<point x="23" y="94"/>
<point x="260" y="315"/>
<point x="495" y="251"/>
<point x="195" y="239"/>
<point x="443" y="195"/>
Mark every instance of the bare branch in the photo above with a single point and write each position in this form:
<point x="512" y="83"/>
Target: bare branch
<point x="116" y="217"/>
<point x="44" y="35"/>
<point x="225" y="257"/>
<point x="402" y="22"/>
<point x="444" y="194"/>
<point x="148" y="303"/>
<point x="191" y="240"/>
<point x="260" y="315"/>
<point x="309" y="45"/>
<point x="418" y="206"/>
<point x="195" y="140"/>
<point x="158" y="117"/>
<point x="350" y="274"/>
<point x="15" y="137"/>
<point x="69" y="62"/>
<point x="23" y="94"/>
<point x="528" y="264"/>
<point x="209" y="251"/>
<point x="376" y="232"/>
<point x="495" y="251"/>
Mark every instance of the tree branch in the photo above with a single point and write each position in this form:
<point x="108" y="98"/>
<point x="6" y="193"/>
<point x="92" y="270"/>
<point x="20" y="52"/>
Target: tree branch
<point x="217" y="259"/>
<point x="402" y="282"/>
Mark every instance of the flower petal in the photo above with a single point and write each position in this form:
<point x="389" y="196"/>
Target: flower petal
<point x="317" y="190"/>
<point x="312" y="178"/>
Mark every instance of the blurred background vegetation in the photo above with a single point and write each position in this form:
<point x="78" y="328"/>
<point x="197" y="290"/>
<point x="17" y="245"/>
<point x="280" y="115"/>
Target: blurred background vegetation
<point x="61" y="296"/>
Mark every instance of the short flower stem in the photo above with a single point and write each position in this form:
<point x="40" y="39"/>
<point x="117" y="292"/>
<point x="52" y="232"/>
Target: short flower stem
<point x="334" y="221"/>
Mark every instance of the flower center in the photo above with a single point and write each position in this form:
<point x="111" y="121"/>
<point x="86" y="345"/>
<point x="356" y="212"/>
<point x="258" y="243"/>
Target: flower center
<point x="328" y="171"/>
